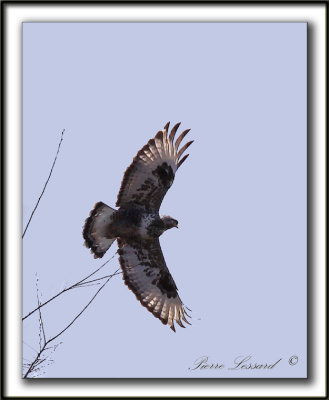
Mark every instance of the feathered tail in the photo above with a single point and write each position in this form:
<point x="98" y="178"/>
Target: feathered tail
<point x="97" y="229"/>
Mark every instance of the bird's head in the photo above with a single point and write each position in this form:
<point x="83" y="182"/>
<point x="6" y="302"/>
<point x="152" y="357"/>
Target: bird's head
<point x="169" y="222"/>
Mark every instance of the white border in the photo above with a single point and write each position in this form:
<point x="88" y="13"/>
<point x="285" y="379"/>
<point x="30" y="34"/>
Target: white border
<point x="16" y="14"/>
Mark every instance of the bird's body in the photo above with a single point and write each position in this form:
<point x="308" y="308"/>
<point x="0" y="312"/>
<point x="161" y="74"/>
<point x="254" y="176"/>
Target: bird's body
<point x="137" y="226"/>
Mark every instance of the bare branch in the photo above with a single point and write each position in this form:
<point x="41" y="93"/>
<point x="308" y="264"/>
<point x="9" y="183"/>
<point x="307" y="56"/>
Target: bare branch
<point x="99" y="279"/>
<point x="34" y="362"/>
<point x="41" y="327"/>
<point x="38" y="360"/>
<point x="78" y="315"/>
<point x="26" y="344"/>
<point x="77" y="284"/>
<point x="34" y="368"/>
<point x="44" y="188"/>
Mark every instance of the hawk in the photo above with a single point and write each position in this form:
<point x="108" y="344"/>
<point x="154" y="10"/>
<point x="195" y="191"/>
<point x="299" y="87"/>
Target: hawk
<point x="137" y="226"/>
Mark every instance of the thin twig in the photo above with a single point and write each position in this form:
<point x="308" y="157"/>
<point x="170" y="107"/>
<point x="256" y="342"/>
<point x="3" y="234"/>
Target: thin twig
<point x="99" y="279"/>
<point x="34" y="362"/>
<point x="28" y="345"/>
<point x="44" y="188"/>
<point x="41" y="327"/>
<point x="67" y="289"/>
<point x="89" y="283"/>
<point x="78" y="315"/>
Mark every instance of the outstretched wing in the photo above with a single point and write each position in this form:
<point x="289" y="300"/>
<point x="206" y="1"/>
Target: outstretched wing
<point x="152" y="171"/>
<point x="146" y="274"/>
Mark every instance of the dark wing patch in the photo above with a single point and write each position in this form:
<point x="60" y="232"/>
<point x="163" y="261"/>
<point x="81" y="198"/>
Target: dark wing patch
<point x="152" y="172"/>
<point x="165" y="175"/>
<point x="146" y="274"/>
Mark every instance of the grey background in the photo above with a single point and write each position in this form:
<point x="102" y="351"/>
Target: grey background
<point x="239" y="256"/>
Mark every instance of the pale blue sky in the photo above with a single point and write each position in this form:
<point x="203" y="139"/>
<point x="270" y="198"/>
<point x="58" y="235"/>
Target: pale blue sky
<point x="239" y="256"/>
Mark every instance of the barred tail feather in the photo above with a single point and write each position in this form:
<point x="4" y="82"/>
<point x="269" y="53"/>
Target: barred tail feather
<point x="96" y="230"/>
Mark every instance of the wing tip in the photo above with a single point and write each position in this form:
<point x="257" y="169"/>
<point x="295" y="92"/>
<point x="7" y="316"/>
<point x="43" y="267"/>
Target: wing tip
<point x="166" y="127"/>
<point x="165" y="321"/>
<point x="182" y="160"/>
<point x="159" y="135"/>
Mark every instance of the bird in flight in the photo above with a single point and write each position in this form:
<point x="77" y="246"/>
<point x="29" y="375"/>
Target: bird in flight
<point x="137" y="226"/>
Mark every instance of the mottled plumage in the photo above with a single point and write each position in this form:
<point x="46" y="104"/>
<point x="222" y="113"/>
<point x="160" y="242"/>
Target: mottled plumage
<point x="137" y="225"/>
